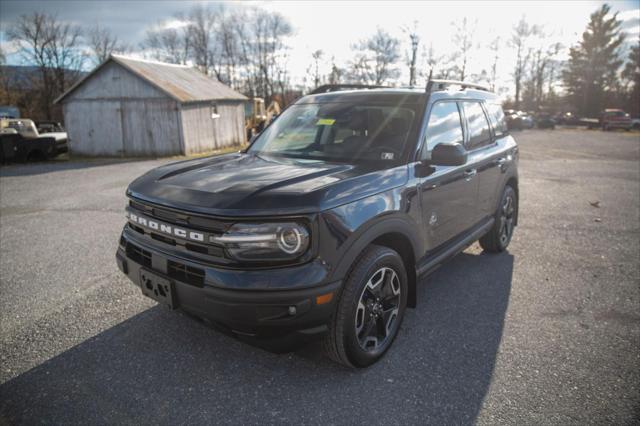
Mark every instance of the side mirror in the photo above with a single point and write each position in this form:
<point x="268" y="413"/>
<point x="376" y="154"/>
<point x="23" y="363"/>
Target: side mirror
<point x="448" y="154"/>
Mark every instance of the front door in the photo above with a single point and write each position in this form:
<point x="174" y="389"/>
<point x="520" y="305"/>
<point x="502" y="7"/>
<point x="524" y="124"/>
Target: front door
<point x="448" y="194"/>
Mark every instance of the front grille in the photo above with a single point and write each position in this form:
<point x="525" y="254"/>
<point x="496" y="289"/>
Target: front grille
<point x="185" y="221"/>
<point x="186" y="274"/>
<point x="182" y="218"/>
<point x="162" y="238"/>
<point x="138" y="255"/>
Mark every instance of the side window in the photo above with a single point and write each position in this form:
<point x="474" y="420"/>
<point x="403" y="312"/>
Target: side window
<point x="497" y="119"/>
<point x="477" y="125"/>
<point x="444" y="126"/>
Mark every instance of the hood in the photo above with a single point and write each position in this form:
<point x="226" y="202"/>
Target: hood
<point x="254" y="185"/>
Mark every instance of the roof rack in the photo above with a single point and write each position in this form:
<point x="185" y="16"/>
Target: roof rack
<point x="435" y="85"/>
<point x="327" y="88"/>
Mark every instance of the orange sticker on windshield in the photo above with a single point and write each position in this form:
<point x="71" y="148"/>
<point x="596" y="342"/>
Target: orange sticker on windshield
<point x="326" y="122"/>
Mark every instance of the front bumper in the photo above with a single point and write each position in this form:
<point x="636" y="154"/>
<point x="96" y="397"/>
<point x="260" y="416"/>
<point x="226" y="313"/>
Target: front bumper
<point x="241" y="310"/>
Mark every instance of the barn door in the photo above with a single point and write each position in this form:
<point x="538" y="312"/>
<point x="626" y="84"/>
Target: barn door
<point x="94" y="127"/>
<point x="150" y="127"/>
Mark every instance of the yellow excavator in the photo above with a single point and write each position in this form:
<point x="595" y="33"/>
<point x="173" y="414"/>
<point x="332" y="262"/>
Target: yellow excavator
<point x="256" y="116"/>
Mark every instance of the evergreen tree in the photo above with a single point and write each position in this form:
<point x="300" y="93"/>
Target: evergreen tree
<point x="631" y="73"/>
<point x="591" y="77"/>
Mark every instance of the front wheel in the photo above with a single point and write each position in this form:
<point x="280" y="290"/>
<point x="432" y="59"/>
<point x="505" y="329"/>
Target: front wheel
<point x="499" y="237"/>
<point x="370" y="309"/>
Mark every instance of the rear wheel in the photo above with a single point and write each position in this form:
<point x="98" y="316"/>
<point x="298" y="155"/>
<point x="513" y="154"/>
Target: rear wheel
<point x="499" y="237"/>
<point x="370" y="309"/>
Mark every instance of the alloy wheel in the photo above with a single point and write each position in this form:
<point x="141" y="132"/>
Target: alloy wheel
<point x="378" y="307"/>
<point x="506" y="219"/>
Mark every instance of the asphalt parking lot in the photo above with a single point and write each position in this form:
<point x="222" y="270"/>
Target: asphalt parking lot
<point x="548" y="333"/>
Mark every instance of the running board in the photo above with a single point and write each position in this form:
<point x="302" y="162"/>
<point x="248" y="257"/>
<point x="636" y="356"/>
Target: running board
<point x="433" y="263"/>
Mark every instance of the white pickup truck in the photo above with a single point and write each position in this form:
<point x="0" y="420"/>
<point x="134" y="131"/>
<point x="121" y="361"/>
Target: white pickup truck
<point x="22" y="141"/>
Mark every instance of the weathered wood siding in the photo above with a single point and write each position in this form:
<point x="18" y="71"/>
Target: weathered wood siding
<point x="202" y="133"/>
<point x="123" y="127"/>
<point x="115" y="82"/>
<point x="150" y="127"/>
<point x="94" y="127"/>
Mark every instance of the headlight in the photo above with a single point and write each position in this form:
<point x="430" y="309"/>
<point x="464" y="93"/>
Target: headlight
<point x="265" y="241"/>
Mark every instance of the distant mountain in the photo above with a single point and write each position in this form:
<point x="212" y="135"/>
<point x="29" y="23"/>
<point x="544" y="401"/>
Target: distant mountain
<point x="22" y="77"/>
<point x="19" y="76"/>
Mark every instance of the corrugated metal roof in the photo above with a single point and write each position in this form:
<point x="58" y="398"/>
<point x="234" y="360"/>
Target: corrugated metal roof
<point x="181" y="82"/>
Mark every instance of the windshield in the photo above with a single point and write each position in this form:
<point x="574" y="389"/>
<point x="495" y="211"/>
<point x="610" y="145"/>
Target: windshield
<point x="346" y="132"/>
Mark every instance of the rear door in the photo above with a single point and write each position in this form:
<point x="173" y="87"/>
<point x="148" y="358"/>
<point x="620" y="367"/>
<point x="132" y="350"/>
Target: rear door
<point x="486" y="151"/>
<point x="448" y="194"/>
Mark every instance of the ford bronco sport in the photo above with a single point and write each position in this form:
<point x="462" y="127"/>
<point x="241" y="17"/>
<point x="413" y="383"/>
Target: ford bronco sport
<point x="324" y="225"/>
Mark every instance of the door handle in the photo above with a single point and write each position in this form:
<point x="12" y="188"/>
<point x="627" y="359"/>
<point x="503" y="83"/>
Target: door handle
<point x="502" y="163"/>
<point x="469" y="174"/>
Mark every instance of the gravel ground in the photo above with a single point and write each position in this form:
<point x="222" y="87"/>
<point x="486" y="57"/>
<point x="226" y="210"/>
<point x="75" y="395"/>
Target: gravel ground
<point x="547" y="333"/>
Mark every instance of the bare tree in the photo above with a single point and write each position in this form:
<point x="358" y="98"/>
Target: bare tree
<point x="522" y="31"/>
<point x="103" y="43"/>
<point x="317" y="56"/>
<point x="54" y="48"/>
<point x="440" y="66"/>
<point x="336" y="74"/>
<point x="412" y="58"/>
<point x="202" y="22"/>
<point x="242" y="47"/>
<point x="463" y="40"/>
<point x="376" y="58"/>
<point x="230" y="45"/>
<point x="170" y="44"/>
<point x="494" y="47"/>
<point x="270" y="31"/>
<point x="64" y="54"/>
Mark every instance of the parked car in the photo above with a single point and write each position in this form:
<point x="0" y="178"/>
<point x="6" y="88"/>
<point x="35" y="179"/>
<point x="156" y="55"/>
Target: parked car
<point x="567" y="118"/>
<point x="33" y="144"/>
<point x="615" y="119"/>
<point x="513" y="119"/>
<point x="324" y="225"/>
<point x="527" y="120"/>
<point x="518" y="120"/>
<point x="545" y="121"/>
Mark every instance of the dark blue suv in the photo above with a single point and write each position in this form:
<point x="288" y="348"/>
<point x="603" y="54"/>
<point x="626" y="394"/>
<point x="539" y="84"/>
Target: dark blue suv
<point x="325" y="224"/>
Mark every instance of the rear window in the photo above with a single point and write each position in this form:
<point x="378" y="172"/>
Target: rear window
<point x="497" y="119"/>
<point x="477" y="125"/>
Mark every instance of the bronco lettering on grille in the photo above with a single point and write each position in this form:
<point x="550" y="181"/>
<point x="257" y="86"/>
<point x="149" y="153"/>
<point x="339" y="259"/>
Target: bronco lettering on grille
<point x="165" y="228"/>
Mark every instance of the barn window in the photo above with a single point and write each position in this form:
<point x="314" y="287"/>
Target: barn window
<point x="214" y="111"/>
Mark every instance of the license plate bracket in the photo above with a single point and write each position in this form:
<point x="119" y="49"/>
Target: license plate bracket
<point x="158" y="288"/>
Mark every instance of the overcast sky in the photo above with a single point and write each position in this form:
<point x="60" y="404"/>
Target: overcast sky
<point x="335" y="26"/>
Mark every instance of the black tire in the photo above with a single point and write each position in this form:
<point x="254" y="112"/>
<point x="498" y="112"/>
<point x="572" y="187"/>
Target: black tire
<point x="359" y="306"/>
<point x="36" y="155"/>
<point x="498" y="238"/>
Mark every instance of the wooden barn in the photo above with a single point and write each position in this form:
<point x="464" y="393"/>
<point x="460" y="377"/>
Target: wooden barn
<point x="133" y="107"/>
